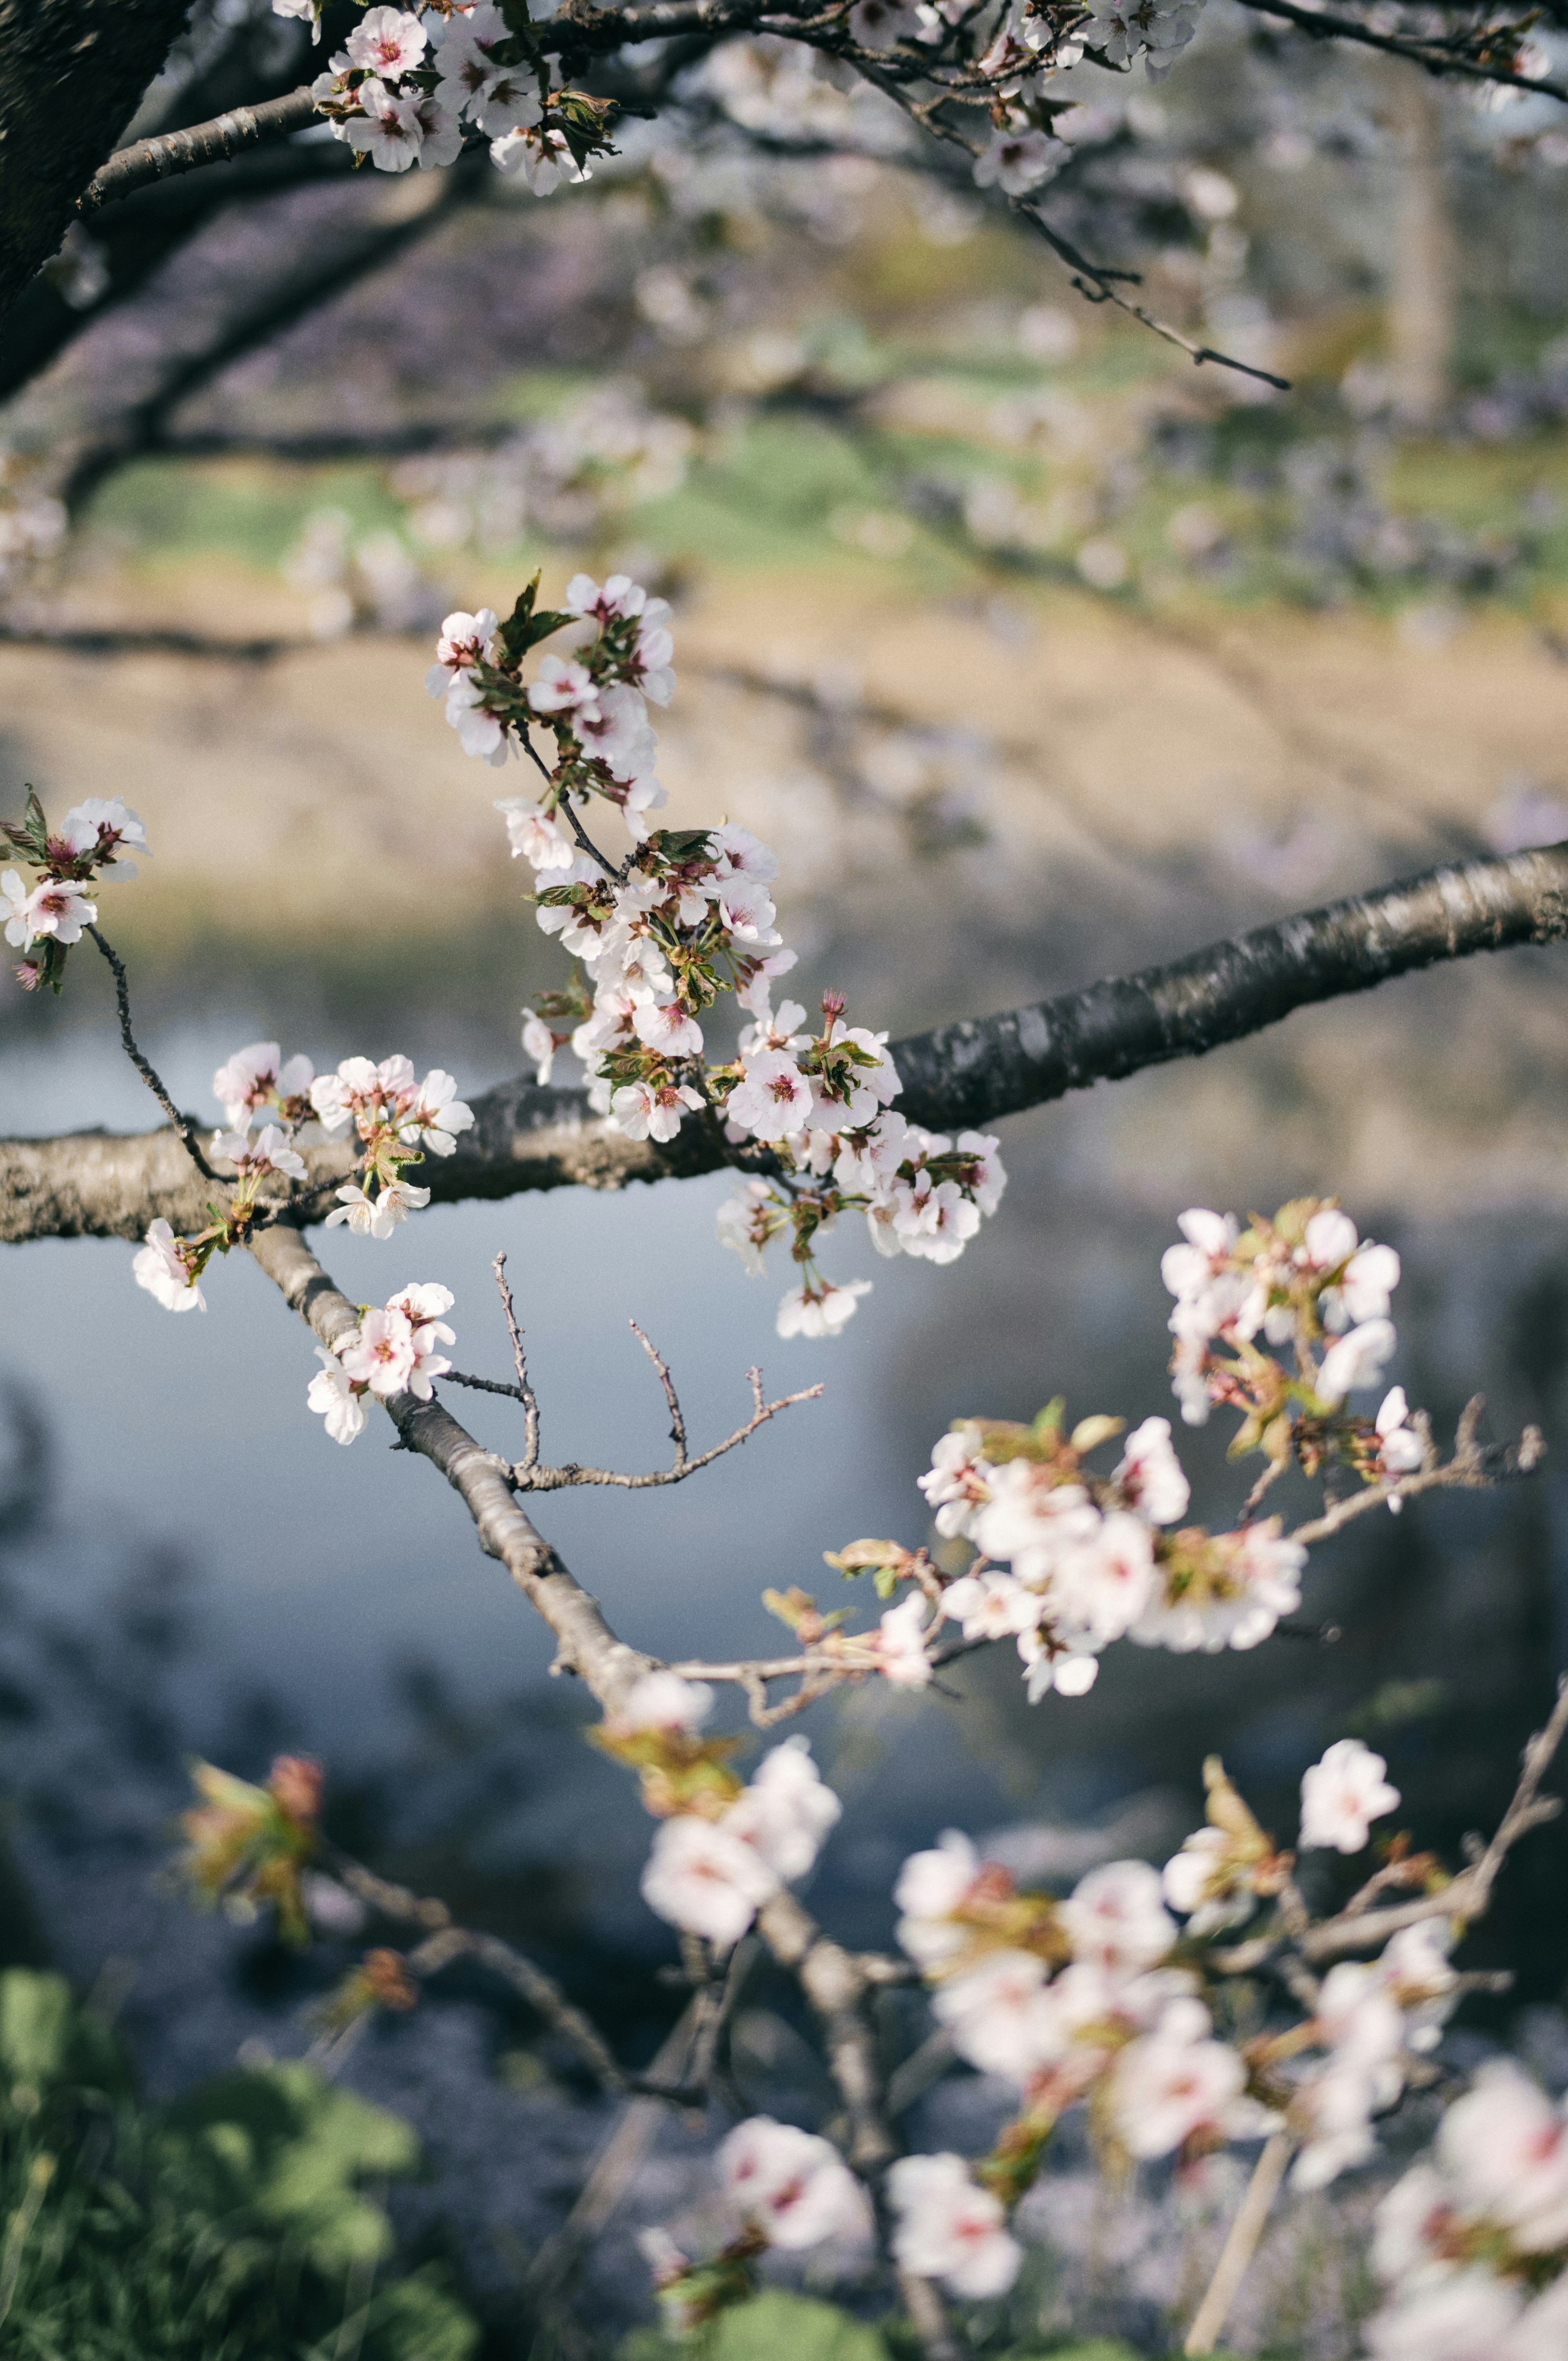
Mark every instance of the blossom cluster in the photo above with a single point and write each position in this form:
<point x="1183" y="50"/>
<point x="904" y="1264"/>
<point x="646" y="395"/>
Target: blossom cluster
<point x="780" y="2187"/>
<point x="391" y="1352"/>
<point x="1472" y="2244"/>
<point x="1105" y="1999"/>
<point x="410" y="86"/>
<point x="723" y="1850"/>
<point x="1305" y="1282"/>
<point x="87" y="849"/>
<point x="686" y="917"/>
<point x="248" y="1847"/>
<point x="396" y="1119"/>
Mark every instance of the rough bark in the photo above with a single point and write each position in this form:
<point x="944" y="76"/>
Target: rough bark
<point x="71" y="72"/>
<point x="95" y="1184"/>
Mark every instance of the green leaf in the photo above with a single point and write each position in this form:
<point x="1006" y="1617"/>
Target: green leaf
<point x="293" y="2148"/>
<point x="773" y="2326"/>
<point x="528" y="623"/>
<point x="46" y="2039"/>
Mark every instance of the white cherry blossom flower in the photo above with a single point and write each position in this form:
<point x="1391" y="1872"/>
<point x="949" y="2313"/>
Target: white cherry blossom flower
<point x="14" y="901"/>
<point x="1504" y="2147"/>
<point x="1357" y="1360"/>
<point x="1364" y="1292"/>
<point x="332" y="1396"/>
<point x="990" y="1176"/>
<point x="1016" y="161"/>
<point x="480" y="733"/>
<point x="463" y="642"/>
<point x="990" y="1606"/>
<point x="787" y="1810"/>
<point x="773" y="1098"/>
<point x="701" y="1877"/>
<point x="533" y="834"/>
<point x="791" y="2186"/>
<point x="1342" y="1794"/>
<point x="1115" y="1917"/>
<point x="1469" y="2316"/>
<point x="382" y="1356"/>
<point x="661" y="1701"/>
<point x="901" y="1643"/>
<point x="543" y="159"/>
<point x="930" y="1887"/>
<point x="617" y="601"/>
<point x="1100" y="1588"/>
<point x="1052" y="1665"/>
<point x="389" y="131"/>
<point x="1188" y="1880"/>
<point x="1151" y="1475"/>
<point x="667" y="1026"/>
<point x="101" y="825"/>
<point x="816" y="1313"/>
<point x="563" y="685"/>
<point x="379" y="1217"/>
<point x="268" y="1152"/>
<point x="1400" y="1450"/>
<point x="1000" y="2015"/>
<point x="1177" y="2081"/>
<point x="649" y="1111"/>
<point x="437" y="1114"/>
<point x="538" y="1045"/>
<point x="948" y="2229"/>
<point x="160" y="1268"/>
<point x="57" y="909"/>
<point x="509" y="103"/>
<point x="958" y="1481"/>
<point x="1332" y="2117"/>
<point x="386" y="42"/>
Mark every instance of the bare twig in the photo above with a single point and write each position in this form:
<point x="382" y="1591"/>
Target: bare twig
<point x="529" y="1476"/>
<point x="1437" y="56"/>
<point x="183" y="1124"/>
<point x="1475" y="1466"/>
<point x="1241" y="2245"/>
<point x="525" y="1392"/>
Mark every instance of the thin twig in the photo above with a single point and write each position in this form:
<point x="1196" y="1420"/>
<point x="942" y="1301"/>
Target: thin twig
<point x="529" y="1476"/>
<point x="525" y="1392"/>
<point x="1435" y="56"/>
<point x="183" y="1124"/>
<point x="1475" y="1466"/>
<point x="677" y="1422"/>
<point x="1241" y="2245"/>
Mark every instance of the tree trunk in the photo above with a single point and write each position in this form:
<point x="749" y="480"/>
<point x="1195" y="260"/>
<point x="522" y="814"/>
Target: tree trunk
<point x="71" y="74"/>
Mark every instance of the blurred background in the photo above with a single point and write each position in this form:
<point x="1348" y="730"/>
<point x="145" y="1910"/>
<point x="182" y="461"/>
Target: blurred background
<point x="1037" y="654"/>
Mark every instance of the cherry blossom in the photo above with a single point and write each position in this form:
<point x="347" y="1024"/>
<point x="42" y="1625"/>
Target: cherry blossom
<point x="1400" y="1450"/>
<point x="539" y="1046"/>
<point x="14" y="897"/>
<point x="1000" y="2015"/>
<point x="533" y="834"/>
<point x="437" y="1114"/>
<point x="96" y="828"/>
<point x="1357" y="1360"/>
<point x="654" y="1110"/>
<point x="55" y="908"/>
<point x="331" y="1394"/>
<point x="806" y="1312"/>
<point x="958" y="1481"/>
<point x="160" y="1267"/>
<point x="386" y="42"/>
<point x="1115" y="1917"/>
<point x="931" y="1886"/>
<point x="948" y="2229"/>
<point x="463" y="644"/>
<point x="1016" y="161"/>
<point x="701" y="1877"/>
<point x="378" y="1216"/>
<point x="389" y="130"/>
<point x="901" y="1643"/>
<point x="1342" y="1794"/>
<point x="382" y="1356"/>
<point x="260" y="1076"/>
<point x="1178" y="2083"/>
<point x="661" y="1701"/>
<point x="542" y="158"/>
<point x="791" y="2186"/>
<point x="1151" y="1475"/>
<point x="787" y="1810"/>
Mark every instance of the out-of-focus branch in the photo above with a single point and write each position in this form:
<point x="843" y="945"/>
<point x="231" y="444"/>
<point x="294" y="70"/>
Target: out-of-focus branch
<point x="541" y="1992"/>
<point x="205" y="143"/>
<point x="1434" y="57"/>
<point x="968" y="1073"/>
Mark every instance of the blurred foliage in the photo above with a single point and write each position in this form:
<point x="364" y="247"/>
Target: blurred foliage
<point x="231" y="2226"/>
<point x="777" y="2326"/>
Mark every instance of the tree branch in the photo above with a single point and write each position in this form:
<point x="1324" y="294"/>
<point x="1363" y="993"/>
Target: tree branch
<point x="205" y="143"/>
<point x="972" y="1072"/>
<point x="1435" y="56"/>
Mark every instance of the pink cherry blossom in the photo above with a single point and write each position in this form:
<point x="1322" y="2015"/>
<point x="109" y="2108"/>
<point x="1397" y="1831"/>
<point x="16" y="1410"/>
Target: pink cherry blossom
<point x="1342" y="1794"/>
<point x="948" y="2229"/>
<point x="701" y="1877"/>
<point x="160" y="1267"/>
<point x="791" y="2185"/>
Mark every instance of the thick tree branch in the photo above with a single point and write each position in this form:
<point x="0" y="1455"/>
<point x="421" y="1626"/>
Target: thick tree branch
<point x="205" y="143"/>
<point x="1436" y="57"/>
<point x="70" y="74"/>
<point x="973" y="1072"/>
